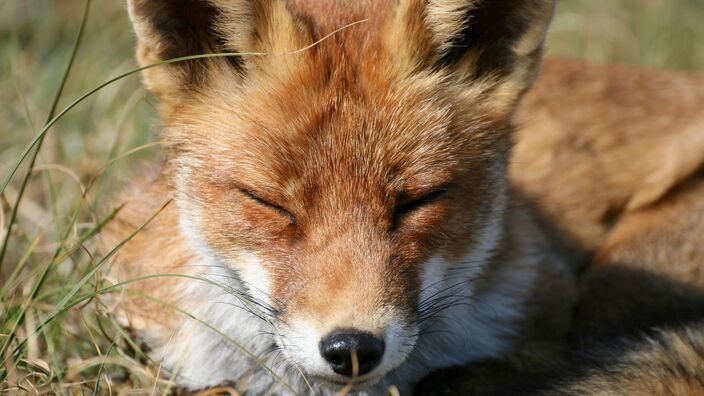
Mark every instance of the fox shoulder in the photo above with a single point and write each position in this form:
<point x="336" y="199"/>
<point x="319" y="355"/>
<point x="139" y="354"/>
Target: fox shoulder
<point x="599" y="141"/>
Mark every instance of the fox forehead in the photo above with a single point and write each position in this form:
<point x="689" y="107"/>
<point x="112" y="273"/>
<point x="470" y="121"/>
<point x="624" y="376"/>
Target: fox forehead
<point x="344" y="108"/>
<point x="284" y="139"/>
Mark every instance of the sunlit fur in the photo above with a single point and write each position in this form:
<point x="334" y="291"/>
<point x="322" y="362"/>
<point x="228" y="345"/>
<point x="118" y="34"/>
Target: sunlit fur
<point x="297" y="175"/>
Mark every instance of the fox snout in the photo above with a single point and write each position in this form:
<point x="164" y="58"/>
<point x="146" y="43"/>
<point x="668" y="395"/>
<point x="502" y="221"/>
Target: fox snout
<point x="347" y="316"/>
<point x="358" y="353"/>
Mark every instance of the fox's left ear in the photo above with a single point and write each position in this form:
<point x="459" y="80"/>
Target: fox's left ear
<point x="476" y="40"/>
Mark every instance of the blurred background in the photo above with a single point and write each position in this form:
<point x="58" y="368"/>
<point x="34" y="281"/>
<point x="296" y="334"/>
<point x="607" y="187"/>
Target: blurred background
<point x="89" y="151"/>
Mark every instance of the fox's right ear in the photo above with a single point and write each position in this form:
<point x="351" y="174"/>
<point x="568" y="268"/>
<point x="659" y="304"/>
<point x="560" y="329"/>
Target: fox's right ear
<point x="168" y="29"/>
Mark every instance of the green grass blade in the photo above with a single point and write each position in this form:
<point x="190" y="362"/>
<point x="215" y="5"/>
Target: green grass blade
<point x="52" y="110"/>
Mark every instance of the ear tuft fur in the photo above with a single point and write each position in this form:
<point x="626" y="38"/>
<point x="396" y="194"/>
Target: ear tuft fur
<point x="168" y="29"/>
<point x="446" y="20"/>
<point x="474" y="39"/>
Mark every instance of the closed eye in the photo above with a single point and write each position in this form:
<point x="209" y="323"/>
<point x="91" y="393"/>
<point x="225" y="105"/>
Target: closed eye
<point x="269" y="205"/>
<point x="413" y="205"/>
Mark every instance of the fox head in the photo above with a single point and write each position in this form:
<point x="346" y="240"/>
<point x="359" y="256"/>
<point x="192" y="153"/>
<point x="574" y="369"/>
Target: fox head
<point x="347" y="163"/>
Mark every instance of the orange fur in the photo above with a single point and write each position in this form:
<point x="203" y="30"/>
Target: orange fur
<point x="346" y="164"/>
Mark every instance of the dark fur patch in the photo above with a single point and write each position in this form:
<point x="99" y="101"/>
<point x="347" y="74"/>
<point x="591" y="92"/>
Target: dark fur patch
<point x="492" y="28"/>
<point x="186" y="28"/>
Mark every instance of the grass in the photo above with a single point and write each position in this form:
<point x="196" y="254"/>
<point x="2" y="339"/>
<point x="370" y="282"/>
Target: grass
<point x="56" y="333"/>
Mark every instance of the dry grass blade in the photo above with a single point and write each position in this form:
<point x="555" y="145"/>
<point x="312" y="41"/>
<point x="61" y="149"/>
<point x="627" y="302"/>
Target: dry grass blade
<point x="393" y="391"/>
<point x="355" y="373"/>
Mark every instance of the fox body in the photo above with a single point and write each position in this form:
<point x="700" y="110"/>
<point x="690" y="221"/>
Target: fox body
<point x="629" y="193"/>
<point x="334" y="205"/>
<point x="610" y="158"/>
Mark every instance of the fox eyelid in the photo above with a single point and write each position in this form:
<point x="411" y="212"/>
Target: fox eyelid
<point x="428" y="198"/>
<point x="254" y="197"/>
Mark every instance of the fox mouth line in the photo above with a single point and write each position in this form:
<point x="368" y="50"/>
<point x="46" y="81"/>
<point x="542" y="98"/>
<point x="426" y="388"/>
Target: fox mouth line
<point x="355" y="383"/>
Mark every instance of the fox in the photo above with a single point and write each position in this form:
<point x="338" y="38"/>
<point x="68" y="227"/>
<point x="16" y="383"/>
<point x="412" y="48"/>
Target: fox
<point x="333" y="208"/>
<point x="348" y="202"/>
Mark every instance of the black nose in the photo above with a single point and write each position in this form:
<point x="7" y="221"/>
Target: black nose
<point x="337" y="349"/>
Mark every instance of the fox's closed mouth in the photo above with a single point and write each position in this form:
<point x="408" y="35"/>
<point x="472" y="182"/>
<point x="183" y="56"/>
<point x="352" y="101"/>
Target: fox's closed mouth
<point x="355" y="383"/>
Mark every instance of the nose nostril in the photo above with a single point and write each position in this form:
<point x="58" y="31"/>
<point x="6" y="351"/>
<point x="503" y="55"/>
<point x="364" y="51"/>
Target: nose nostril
<point x="337" y="349"/>
<point x="366" y="360"/>
<point x="335" y="359"/>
